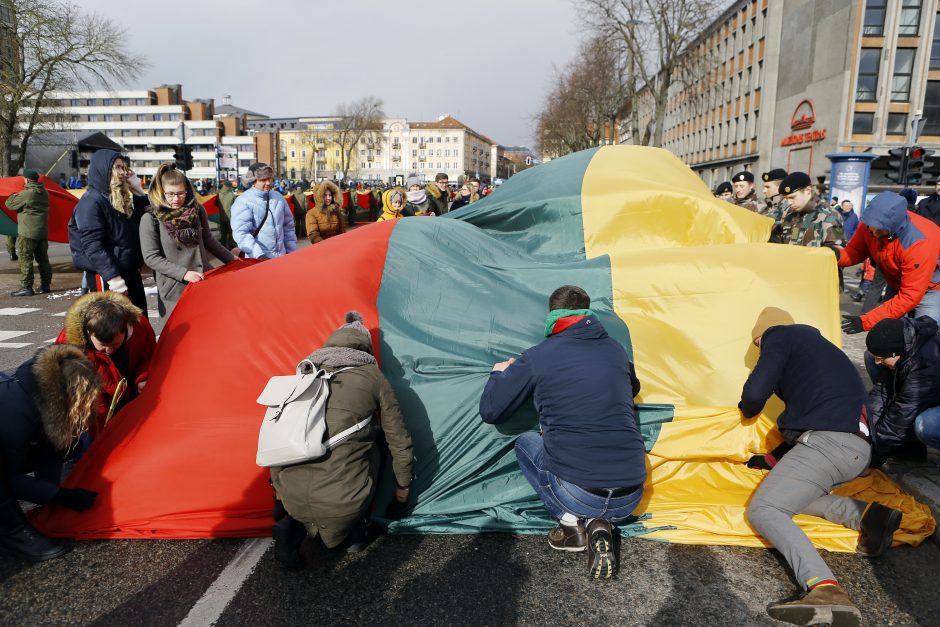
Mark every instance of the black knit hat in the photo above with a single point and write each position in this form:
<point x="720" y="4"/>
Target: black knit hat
<point x="886" y="338"/>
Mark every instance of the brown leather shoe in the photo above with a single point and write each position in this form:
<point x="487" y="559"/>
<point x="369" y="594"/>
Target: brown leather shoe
<point x="877" y="530"/>
<point x="568" y="538"/>
<point x="828" y="605"/>
<point x="602" y="561"/>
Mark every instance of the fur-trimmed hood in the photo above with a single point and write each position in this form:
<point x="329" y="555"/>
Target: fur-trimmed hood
<point x="433" y="190"/>
<point x="320" y="191"/>
<point x="75" y="316"/>
<point x="49" y="392"/>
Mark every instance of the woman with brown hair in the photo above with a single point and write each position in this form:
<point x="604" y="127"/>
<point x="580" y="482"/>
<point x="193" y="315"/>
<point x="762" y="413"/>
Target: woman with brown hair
<point x="326" y="218"/>
<point x="175" y="237"/>
<point x="47" y="403"/>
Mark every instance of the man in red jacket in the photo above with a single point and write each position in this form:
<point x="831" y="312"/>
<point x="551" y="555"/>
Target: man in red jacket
<point x="906" y="248"/>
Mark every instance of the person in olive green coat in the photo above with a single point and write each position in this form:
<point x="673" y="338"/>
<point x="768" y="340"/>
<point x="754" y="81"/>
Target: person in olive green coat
<point x="225" y="201"/>
<point x="331" y="496"/>
<point x="32" y="205"/>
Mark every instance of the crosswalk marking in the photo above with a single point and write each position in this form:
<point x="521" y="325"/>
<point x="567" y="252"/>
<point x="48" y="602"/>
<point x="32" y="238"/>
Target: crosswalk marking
<point x="9" y="335"/>
<point x="16" y="311"/>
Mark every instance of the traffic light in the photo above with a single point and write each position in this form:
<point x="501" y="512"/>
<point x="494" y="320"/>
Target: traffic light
<point x="897" y="165"/>
<point x="187" y="158"/>
<point x="917" y="164"/>
<point x="179" y="155"/>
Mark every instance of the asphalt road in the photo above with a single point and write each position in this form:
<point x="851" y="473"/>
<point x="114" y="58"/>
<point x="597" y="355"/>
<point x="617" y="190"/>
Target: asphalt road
<point x="416" y="580"/>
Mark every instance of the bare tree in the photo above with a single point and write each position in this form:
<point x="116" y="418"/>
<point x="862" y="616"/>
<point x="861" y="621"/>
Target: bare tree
<point x="56" y="46"/>
<point x="655" y="35"/>
<point x="357" y="120"/>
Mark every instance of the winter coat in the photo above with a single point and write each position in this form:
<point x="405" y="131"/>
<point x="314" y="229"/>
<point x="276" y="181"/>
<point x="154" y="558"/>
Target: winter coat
<point x="849" y="223"/>
<point x="438" y="198"/>
<point x="32" y="205"/>
<point x="749" y="202"/>
<point x="812" y="376"/>
<point x="908" y="259"/>
<point x="929" y="208"/>
<point x="171" y="260"/>
<point x="102" y="239"/>
<point x="815" y="225"/>
<point x="389" y="212"/>
<point x="331" y="493"/>
<point x="324" y="222"/>
<point x="139" y="345"/>
<point x="913" y="386"/>
<point x="582" y="384"/>
<point x="34" y="431"/>
<point x="226" y="199"/>
<point x="277" y="236"/>
<point x="463" y="201"/>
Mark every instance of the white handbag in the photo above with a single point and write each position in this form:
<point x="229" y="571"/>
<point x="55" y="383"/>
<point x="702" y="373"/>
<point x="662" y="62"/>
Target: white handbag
<point x="295" y="419"/>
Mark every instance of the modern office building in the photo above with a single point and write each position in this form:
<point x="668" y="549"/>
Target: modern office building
<point x="774" y="83"/>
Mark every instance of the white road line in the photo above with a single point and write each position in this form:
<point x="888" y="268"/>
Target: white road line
<point x="60" y="314"/>
<point x="16" y="311"/>
<point x="209" y="608"/>
<point x="9" y="335"/>
<point x="15" y="344"/>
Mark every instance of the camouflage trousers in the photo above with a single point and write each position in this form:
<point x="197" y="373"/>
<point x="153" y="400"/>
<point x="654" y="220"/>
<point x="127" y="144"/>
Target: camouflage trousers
<point x="11" y="245"/>
<point x="30" y="250"/>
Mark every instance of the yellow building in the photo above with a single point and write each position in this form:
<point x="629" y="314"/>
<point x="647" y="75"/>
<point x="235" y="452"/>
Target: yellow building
<point x="310" y="153"/>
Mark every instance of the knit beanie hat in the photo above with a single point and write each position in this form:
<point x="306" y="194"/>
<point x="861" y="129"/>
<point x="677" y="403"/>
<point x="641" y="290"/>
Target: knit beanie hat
<point x="354" y="320"/>
<point x="770" y="317"/>
<point x="412" y="180"/>
<point x="886" y="338"/>
<point x="31" y="175"/>
<point x="909" y="195"/>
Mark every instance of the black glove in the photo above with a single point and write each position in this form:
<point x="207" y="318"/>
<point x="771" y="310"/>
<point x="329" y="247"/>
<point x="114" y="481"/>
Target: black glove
<point x="77" y="499"/>
<point x="397" y="509"/>
<point x="851" y="324"/>
<point x="835" y="250"/>
<point x="759" y="462"/>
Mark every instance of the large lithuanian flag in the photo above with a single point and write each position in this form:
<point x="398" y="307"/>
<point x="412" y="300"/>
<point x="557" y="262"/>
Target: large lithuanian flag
<point x="675" y="275"/>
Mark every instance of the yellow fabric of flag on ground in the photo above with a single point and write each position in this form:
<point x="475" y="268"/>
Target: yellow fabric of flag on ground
<point x="690" y="275"/>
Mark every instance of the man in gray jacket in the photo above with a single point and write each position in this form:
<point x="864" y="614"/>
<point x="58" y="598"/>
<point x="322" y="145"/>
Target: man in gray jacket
<point x="32" y="205"/>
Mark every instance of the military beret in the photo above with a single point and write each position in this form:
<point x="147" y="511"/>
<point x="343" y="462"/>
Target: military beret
<point x="743" y="176"/>
<point x="795" y="181"/>
<point x="723" y="188"/>
<point x="777" y="174"/>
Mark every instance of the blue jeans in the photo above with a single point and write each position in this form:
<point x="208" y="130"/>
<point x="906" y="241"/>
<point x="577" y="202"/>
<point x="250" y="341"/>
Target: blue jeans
<point x="927" y="427"/>
<point x="560" y="496"/>
<point x="929" y="305"/>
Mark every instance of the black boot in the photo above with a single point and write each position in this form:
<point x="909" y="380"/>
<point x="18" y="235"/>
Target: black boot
<point x="20" y="539"/>
<point x="288" y="536"/>
<point x="877" y="530"/>
<point x="358" y="537"/>
<point x="23" y="291"/>
<point x="44" y="289"/>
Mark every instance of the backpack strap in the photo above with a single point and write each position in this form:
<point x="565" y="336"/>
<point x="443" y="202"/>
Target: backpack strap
<point x="345" y="433"/>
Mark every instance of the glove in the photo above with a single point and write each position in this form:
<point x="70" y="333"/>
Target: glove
<point x="835" y="250"/>
<point x="397" y="509"/>
<point x="758" y="462"/>
<point x="118" y="285"/>
<point x="77" y="499"/>
<point x="851" y="324"/>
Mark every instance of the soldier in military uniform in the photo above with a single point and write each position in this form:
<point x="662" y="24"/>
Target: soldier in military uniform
<point x="725" y="191"/>
<point x="775" y="206"/>
<point x="810" y="220"/>
<point x="744" y="193"/>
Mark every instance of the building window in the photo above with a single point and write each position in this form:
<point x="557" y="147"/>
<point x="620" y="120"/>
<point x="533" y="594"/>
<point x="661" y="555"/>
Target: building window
<point x="157" y="117"/>
<point x="935" y="47"/>
<point x="932" y="108"/>
<point x="875" y="18"/>
<point x="868" y="64"/>
<point x="903" y="69"/>
<point x="863" y="123"/>
<point x="897" y="124"/>
<point x="909" y="25"/>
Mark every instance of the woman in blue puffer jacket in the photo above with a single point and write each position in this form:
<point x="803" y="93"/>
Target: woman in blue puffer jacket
<point x="262" y="223"/>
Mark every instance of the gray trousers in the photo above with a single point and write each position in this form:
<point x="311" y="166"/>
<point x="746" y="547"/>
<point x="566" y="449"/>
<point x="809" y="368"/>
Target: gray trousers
<point x="801" y="484"/>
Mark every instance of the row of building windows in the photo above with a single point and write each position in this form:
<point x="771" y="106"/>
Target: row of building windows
<point x="126" y="117"/>
<point x="735" y="130"/>
<point x="863" y="122"/>
<point x="866" y="89"/>
<point x="105" y="102"/>
<point x="908" y="24"/>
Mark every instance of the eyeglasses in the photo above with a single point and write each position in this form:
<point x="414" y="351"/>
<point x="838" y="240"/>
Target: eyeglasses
<point x="175" y="194"/>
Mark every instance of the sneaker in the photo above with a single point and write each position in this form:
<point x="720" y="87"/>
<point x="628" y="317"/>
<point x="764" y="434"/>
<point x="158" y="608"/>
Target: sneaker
<point x="602" y="561"/>
<point x="570" y="538"/>
<point x="45" y="289"/>
<point x="858" y="297"/>
<point x="877" y="530"/>
<point x="289" y="535"/>
<point x="23" y="291"/>
<point x="828" y="605"/>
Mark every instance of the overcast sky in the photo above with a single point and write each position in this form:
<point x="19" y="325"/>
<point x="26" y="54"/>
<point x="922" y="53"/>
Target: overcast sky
<point x="488" y="63"/>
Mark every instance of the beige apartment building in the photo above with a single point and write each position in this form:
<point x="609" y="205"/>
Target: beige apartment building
<point x="783" y="83"/>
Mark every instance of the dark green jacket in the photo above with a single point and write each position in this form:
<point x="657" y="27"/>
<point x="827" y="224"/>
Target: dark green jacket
<point x="33" y="206"/>
<point x="226" y="200"/>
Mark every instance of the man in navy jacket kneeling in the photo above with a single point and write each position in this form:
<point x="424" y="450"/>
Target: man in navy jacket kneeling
<point x="588" y="465"/>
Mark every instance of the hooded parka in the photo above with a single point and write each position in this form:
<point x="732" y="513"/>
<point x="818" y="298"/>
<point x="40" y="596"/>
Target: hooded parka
<point x="323" y="222"/>
<point x="331" y="494"/>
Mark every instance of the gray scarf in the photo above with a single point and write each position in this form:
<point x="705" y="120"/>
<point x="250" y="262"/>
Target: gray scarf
<point x="340" y="357"/>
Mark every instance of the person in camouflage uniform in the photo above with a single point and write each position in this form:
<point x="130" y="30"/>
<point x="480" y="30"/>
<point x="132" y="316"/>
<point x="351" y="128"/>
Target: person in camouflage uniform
<point x="775" y="206"/>
<point x="725" y="192"/>
<point x="810" y="220"/>
<point x="32" y="207"/>
<point x="744" y="193"/>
